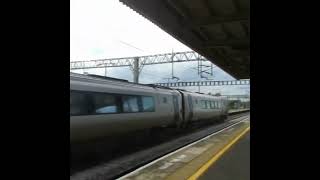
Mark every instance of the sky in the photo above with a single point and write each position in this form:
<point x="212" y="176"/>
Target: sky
<point x="102" y="29"/>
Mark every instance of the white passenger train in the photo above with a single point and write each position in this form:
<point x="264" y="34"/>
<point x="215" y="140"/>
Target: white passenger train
<point x="101" y="107"/>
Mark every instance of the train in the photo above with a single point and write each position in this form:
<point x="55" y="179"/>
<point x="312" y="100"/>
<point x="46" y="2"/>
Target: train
<point x="102" y="107"/>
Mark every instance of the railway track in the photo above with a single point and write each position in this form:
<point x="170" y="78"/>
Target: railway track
<point x="129" y="158"/>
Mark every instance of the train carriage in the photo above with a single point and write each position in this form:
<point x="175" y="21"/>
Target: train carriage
<point x="101" y="107"/>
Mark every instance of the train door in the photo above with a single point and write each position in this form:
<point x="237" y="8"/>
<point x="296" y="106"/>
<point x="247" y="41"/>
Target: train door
<point x="175" y="107"/>
<point x="190" y="103"/>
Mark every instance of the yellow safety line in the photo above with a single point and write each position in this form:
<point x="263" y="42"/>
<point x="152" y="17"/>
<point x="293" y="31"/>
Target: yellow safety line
<point x="216" y="156"/>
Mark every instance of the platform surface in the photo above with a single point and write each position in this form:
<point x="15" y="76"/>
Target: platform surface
<point x="193" y="161"/>
<point x="233" y="165"/>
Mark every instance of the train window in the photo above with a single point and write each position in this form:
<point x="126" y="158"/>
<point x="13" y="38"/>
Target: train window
<point x="78" y="103"/>
<point x="105" y="103"/>
<point x="148" y="104"/>
<point x="212" y="104"/>
<point x="130" y="104"/>
<point x="203" y="104"/>
<point x="164" y="100"/>
<point x="196" y="101"/>
<point x="218" y="105"/>
<point x="208" y="104"/>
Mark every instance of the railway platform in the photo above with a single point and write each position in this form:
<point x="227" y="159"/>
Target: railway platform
<point x="234" y="164"/>
<point x="232" y="111"/>
<point x="223" y="155"/>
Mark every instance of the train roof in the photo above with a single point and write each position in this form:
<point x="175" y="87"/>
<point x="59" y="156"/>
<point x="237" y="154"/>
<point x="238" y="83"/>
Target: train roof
<point x="115" y="81"/>
<point x="104" y="80"/>
<point x="183" y="90"/>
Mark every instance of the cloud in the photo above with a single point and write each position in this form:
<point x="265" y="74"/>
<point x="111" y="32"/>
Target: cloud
<point x="107" y="25"/>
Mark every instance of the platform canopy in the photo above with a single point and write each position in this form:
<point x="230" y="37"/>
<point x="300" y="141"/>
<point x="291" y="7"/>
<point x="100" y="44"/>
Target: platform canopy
<point x="217" y="29"/>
